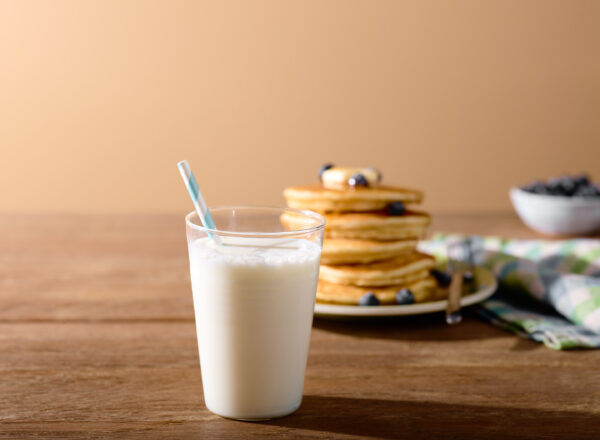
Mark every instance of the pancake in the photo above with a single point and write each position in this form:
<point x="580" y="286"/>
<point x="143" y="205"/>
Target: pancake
<point x="368" y="225"/>
<point x="345" y="251"/>
<point x="400" y="270"/>
<point x="423" y="290"/>
<point x="377" y="225"/>
<point x="318" y="198"/>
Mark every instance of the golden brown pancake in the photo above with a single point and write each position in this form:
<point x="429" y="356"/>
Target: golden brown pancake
<point x="400" y="270"/>
<point x="377" y="225"/>
<point x="369" y="225"/>
<point x="347" y="251"/>
<point x="318" y="198"/>
<point x="423" y="290"/>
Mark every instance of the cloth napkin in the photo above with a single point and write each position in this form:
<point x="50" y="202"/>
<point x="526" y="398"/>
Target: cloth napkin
<point x="549" y="290"/>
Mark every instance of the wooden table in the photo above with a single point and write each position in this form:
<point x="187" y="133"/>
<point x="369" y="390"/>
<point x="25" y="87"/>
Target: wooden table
<point x="97" y="340"/>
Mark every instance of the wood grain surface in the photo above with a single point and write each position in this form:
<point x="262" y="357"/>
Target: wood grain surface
<point x="97" y="340"/>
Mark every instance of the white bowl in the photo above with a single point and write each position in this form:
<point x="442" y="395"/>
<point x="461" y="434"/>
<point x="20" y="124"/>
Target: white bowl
<point x="557" y="215"/>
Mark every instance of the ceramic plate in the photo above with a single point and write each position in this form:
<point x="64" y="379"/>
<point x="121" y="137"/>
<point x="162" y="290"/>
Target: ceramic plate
<point x="486" y="287"/>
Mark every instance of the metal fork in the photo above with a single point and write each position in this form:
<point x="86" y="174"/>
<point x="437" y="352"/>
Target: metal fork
<point x="461" y="260"/>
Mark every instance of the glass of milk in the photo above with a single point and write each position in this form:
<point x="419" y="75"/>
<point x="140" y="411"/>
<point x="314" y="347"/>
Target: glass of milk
<point x="254" y="284"/>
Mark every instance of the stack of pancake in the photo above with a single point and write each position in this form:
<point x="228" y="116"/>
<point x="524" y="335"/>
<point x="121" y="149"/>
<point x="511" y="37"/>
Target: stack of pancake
<point x="370" y="239"/>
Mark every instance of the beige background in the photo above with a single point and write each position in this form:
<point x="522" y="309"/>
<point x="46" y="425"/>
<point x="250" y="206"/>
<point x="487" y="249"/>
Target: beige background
<point x="100" y="99"/>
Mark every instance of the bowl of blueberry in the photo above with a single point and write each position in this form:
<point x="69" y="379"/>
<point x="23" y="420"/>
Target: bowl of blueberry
<point x="565" y="205"/>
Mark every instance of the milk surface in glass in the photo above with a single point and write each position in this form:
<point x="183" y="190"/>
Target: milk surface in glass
<point x="254" y="301"/>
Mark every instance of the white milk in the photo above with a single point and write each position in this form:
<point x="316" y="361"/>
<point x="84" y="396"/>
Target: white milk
<point x="254" y="301"/>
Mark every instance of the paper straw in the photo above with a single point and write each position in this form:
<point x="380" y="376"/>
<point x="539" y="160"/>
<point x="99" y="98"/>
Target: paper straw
<point x="197" y="199"/>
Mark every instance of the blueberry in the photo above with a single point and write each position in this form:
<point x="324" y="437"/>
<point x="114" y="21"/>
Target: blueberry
<point x="404" y="296"/>
<point x="554" y="186"/>
<point x="536" y="188"/>
<point x="368" y="299"/>
<point x="358" y="180"/>
<point x="323" y="169"/>
<point x="567" y="186"/>
<point x="581" y="180"/>
<point x="396" y="208"/>
<point x="442" y="278"/>
<point x="583" y="191"/>
<point x="588" y="191"/>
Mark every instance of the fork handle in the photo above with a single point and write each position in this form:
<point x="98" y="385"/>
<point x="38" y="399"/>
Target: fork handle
<point x="453" y="314"/>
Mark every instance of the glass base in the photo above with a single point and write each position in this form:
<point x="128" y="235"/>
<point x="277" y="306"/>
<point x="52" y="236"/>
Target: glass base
<point x="259" y="419"/>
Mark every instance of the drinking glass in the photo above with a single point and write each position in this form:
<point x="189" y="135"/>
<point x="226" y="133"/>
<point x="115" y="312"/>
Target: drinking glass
<point x="254" y="281"/>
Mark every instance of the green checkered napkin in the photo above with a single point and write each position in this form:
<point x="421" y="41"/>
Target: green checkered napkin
<point x="549" y="290"/>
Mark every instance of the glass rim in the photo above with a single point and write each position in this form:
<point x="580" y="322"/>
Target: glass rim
<point x="295" y="232"/>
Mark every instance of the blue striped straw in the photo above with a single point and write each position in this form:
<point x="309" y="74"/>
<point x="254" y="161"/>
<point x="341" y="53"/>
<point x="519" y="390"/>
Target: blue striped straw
<point x="197" y="199"/>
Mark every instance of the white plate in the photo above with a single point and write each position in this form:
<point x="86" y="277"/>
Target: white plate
<point x="485" y="280"/>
